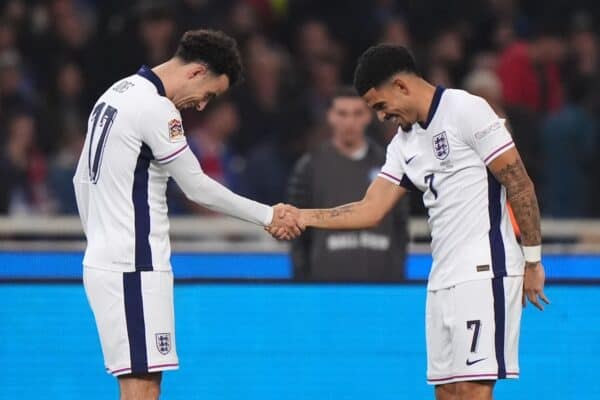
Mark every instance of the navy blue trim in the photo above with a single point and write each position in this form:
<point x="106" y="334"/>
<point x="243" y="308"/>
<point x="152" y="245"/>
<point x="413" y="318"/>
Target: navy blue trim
<point x="134" y="318"/>
<point x="495" y="235"/>
<point x="500" y="322"/>
<point x="435" y="102"/>
<point x="147" y="73"/>
<point x="143" y="253"/>
<point x="407" y="184"/>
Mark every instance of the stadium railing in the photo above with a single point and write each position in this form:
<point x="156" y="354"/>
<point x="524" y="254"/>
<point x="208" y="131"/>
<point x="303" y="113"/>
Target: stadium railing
<point x="224" y="234"/>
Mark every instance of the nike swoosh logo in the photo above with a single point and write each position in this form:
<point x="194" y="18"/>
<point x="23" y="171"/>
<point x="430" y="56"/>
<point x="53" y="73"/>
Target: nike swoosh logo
<point x="410" y="159"/>
<point x="469" y="362"/>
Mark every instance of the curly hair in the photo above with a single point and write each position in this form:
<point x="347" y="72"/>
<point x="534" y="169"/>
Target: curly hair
<point x="379" y="63"/>
<point x="214" y="48"/>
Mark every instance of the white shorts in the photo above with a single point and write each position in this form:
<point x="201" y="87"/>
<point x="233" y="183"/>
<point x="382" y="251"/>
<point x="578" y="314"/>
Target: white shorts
<point x="472" y="330"/>
<point x="135" y="319"/>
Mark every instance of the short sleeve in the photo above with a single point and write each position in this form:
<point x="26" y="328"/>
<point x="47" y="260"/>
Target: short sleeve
<point x="483" y="130"/>
<point x="392" y="170"/>
<point x="162" y="131"/>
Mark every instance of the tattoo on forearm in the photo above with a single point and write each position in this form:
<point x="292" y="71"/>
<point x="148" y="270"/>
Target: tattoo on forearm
<point x="521" y="195"/>
<point x="334" y="212"/>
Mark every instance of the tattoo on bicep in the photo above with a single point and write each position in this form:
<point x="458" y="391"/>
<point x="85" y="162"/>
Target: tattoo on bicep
<point x="522" y="199"/>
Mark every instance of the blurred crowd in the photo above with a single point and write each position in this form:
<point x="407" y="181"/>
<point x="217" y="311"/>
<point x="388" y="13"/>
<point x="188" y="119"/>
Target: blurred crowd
<point x="536" y="62"/>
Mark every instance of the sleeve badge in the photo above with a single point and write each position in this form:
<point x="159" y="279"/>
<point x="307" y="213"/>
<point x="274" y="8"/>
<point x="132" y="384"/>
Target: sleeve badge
<point x="175" y="130"/>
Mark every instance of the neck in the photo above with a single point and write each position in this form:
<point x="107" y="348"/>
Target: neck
<point x="425" y="92"/>
<point x="348" y="147"/>
<point x="166" y="73"/>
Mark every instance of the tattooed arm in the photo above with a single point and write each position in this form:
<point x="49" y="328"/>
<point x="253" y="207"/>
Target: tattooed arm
<point x="510" y="172"/>
<point x="381" y="196"/>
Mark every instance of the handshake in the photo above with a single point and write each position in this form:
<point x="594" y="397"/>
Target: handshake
<point x="288" y="222"/>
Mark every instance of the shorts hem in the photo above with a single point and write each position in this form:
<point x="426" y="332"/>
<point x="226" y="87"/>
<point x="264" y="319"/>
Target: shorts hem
<point x="151" y="368"/>
<point x="435" y="288"/>
<point x="470" y="377"/>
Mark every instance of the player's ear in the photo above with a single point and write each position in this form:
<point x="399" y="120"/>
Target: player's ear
<point x="197" y="69"/>
<point x="400" y="84"/>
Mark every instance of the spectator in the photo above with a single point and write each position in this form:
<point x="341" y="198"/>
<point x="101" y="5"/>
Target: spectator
<point x="395" y="31"/>
<point x="24" y="169"/>
<point x="158" y="32"/>
<point x="446" y="57"/>
<point x="529" y="72"/>
<point x="569" y="140"/>
<point x="16" y="91"/>
<point x="67" y="109"/>
<point x="339" y="172"/>
<point x="8" y="39"/>
<point x="62" y="168"/>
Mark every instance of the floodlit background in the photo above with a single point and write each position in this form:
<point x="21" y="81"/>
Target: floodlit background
<point x="245" y="327"/>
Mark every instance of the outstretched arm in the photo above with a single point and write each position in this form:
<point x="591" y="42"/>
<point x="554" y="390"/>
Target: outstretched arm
<point x="381" y="196"/>
<point x="509" y="170"/>
<point x="201" y="189"/>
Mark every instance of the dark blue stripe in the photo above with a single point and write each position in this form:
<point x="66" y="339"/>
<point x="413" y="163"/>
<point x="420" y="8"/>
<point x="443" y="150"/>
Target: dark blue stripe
<point x="407" y="184"/>
<point x="435" y="102"/>
<point x="134" y="317"/>
<point x="143" y="254"/>
<point x="147" y="73"/>
<point x="499" y="319"/>
<point x="495" y="235"/>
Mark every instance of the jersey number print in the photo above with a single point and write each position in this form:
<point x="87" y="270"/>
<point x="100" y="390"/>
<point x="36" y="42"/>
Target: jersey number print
<point x="429" y="182"/>
<point x="98" y="140"/>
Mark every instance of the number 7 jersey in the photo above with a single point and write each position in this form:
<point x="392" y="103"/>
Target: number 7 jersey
<point x="119" y="183"/>
<point x="446" y="158"/>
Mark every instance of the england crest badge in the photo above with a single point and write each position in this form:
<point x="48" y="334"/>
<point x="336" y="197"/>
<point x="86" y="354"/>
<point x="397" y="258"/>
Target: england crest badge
<point x="163" y="343"/>
<point x="441" y="146"/>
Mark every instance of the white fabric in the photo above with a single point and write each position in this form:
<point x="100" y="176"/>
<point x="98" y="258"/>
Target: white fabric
<point x="450" y="343"/>
<point x="456" y="185"/>
<point x="105" y="293"/>
<point x="200" y="188"/>
<point x="121" y="197"/>
<point x="532" y="253"/>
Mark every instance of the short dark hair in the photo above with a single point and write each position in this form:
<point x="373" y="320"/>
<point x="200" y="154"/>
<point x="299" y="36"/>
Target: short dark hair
<point x="379" y="63"/>
<point x="343" y="91"/>
<point x="214" y="48"/>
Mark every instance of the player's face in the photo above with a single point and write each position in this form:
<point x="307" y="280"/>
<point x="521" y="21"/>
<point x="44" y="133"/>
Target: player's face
<point x="349" y="117"/>
<point x="391" y="101"/>
<point x="201" y="88"/>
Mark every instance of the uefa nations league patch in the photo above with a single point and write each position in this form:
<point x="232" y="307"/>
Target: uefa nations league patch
<point x="175" y="130"/>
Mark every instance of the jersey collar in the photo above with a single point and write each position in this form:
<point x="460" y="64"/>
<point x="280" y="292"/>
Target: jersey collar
<point x="435" y="102"/>
<point x="147" y="73"/>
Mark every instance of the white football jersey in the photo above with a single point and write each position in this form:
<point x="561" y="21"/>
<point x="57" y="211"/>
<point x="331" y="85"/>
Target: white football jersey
<point x="446" y="159"/>
<point x="132" y="130"/>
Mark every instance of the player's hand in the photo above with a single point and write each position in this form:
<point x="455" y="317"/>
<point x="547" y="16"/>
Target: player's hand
<point x="533" y="285"/>
<point x="286" y="222"/>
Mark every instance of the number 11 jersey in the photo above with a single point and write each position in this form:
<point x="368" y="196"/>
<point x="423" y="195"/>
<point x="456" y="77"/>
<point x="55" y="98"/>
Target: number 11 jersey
<point x="119" y="182"/>
<point x="446" y="159"/>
